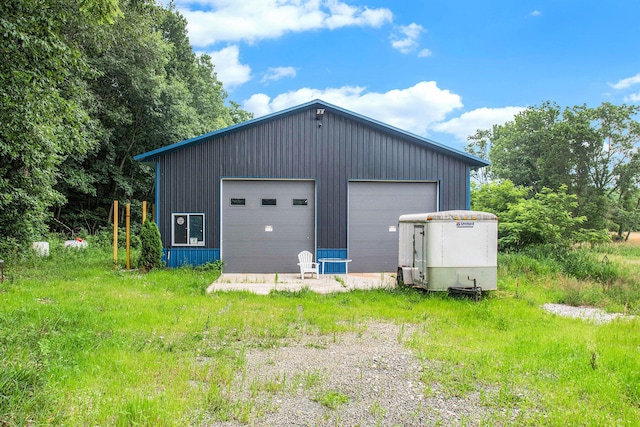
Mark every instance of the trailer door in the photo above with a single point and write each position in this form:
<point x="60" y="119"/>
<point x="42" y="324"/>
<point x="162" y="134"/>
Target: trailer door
<point x="419" y="256"/>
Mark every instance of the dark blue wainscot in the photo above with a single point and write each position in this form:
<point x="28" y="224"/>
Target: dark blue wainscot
<point x="333" y="267"/>
<point x="177" y="257"/>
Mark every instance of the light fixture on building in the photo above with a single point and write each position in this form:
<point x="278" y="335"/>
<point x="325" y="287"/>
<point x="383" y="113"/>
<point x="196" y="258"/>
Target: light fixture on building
<point x="319" y="116"/>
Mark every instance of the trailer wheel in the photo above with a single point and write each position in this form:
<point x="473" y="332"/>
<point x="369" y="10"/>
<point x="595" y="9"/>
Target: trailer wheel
<point x="400" y="277"/>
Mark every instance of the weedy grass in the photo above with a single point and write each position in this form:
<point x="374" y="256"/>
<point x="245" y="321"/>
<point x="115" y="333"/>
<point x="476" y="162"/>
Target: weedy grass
<point x="331" y="399"/>
<point x="84" y="344"/>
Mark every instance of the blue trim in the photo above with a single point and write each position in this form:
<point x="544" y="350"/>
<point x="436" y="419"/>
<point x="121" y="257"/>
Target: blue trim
<point x="157" y="218"/>
<point x="468" y="190"/>
<point x="339" y="268"/>
<point x="472" y="160"/>
<point x="177" y="257"/>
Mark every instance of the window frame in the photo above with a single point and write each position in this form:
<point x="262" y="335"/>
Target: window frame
<point x="189" y="215"/>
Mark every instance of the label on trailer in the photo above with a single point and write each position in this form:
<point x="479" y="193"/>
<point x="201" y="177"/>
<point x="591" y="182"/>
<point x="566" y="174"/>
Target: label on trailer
<point x="465" y="224"/>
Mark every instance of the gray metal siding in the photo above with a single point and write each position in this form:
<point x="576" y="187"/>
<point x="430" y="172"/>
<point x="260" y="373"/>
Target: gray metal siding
<point x="373" y="208"/>
<point x="294" y="146"/>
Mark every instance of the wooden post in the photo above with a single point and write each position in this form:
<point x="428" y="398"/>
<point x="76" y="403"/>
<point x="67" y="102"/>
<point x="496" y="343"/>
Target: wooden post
<point x="144" y="211"/>
<point x="115" y="234"/>
<point x="128" y="225"/>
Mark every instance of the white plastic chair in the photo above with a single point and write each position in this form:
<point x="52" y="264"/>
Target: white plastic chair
<point x="306" y="264"/>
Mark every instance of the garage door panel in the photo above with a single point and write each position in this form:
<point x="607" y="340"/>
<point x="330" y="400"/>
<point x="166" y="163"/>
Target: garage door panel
<point x="267" y="239"/>
<point x="374" y="208"/>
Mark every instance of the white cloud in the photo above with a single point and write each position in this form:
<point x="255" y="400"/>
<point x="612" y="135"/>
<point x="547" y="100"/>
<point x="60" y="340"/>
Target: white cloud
<point x="258" y="104"/>
<point x="212" y="21"/>
<point x="535" y="13"/>
<point x="482" y="118"/>
<point x="413" y="109"/>
<point x="626" y="83"/>
<point x="424" y="53"/>
<point x="634" y="97"/>
<point x="277" y="73"/>
<point x="343" y="15"/>
<point x="228" y="67"/>
<point x="407" y="41"/>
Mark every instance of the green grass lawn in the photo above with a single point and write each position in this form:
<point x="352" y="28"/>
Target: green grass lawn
<point x="82" y="344"/>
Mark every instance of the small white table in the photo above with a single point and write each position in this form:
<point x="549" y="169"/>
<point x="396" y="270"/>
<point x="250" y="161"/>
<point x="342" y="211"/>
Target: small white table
<point x="335" y="260"/>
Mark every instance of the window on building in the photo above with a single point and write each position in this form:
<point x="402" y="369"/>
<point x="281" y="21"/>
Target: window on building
<point x="268" y="202"/>
<point x="238" y="202"/>
<point x="300" y="202"/>
<point x="188" y="229"/>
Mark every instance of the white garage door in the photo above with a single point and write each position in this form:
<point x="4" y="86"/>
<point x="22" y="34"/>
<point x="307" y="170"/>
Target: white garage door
<point x="265" y="224"/>
<point x="374" y="208"/>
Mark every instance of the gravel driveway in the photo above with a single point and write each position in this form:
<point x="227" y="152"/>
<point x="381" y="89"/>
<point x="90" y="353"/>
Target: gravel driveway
<point x="373" y="379"/>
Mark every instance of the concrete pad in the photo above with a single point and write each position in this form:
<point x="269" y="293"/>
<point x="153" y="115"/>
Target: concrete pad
<point x="262" y="284"/>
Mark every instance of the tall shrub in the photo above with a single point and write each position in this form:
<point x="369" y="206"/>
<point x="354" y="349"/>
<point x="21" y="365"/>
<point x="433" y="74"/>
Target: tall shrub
<point x="497" y="196"/>
<point x="546" y="219"/>
<point x="151" y="247"/>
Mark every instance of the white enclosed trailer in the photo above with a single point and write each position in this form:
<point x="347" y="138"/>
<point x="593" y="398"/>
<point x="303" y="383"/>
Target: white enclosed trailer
<point x="448" y="249"/>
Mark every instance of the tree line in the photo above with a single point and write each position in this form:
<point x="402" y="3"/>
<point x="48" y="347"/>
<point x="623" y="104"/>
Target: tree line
<point x="87" y="84"/>
<point x="561" y="175"/>
<point x="84" y="86"/>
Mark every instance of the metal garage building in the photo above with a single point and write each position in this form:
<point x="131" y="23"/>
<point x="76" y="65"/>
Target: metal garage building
<point x="314" y="177"/>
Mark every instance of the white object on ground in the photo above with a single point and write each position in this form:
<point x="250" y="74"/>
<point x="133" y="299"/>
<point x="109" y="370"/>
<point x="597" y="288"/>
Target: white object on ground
<point x="596" y="315"/>
<point x="41" y="248"/>
<point x="75" y="243"/>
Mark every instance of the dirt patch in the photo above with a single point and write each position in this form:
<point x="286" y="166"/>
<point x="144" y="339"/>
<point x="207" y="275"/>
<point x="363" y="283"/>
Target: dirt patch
<point x="634" y="237"/>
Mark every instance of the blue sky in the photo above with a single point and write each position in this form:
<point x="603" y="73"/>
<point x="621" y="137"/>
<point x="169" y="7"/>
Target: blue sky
<point x="440" y="69"/>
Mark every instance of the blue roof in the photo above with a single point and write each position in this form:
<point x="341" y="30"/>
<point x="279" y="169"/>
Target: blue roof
<point x="468" y="158"/>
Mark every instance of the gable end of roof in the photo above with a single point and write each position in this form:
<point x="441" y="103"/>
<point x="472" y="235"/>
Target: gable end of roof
<point x="473" y="161"/>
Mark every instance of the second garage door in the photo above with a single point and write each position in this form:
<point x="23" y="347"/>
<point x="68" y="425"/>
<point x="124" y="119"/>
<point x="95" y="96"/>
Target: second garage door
<point x="374" y="208"/>
<point x="265" y="224"/>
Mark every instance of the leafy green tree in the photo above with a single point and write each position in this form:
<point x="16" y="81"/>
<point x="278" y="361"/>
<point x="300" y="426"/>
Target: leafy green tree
<point x="626" y="214"/>
<point x="528" y="150"/>
<point x="43" y="119"/>
<point x="84" y="86"/>
<point x="238" y="115"/>
<point x="480" y="146"/>
<point x="603" y="142"/>
<point x="149" y="90"/>
<point x="497" y="197"/>
<point x="616" y="168"/>
<point x="591" y="151"/>
<point x="545" y="219"/>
